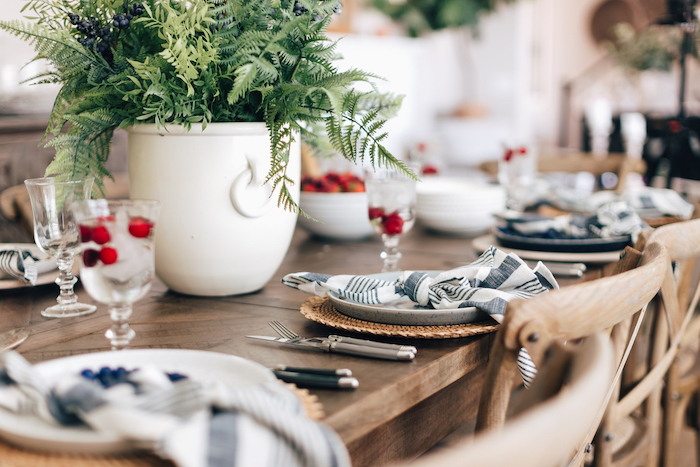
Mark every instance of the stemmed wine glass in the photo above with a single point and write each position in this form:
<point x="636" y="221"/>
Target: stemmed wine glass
<point x="56" y="234"/>
<point x="392" y="210"/>
<point x="118" y="261"/>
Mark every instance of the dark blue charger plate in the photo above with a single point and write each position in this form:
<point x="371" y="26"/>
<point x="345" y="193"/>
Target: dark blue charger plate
<point x="561" y="245"/>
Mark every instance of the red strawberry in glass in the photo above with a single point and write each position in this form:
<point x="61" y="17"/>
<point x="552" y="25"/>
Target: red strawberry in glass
<point x="392" y="200"/>
<point x="393" y="224"/>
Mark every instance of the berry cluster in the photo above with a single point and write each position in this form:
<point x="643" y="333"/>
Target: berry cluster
<point x="139" y="227"/>
<point x="391" y="224"/>
<point x="298" y="9"/>
<point x="122" y="20"/>
<point x="91" y="34"/>
<point x="108" y="377"/>
<point x="97" y="37"/>
<point x="333" y="183"/>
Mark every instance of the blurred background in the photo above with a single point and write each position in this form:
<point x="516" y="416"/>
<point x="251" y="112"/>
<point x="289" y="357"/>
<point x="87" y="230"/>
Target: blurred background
<point x="478" y="76"/>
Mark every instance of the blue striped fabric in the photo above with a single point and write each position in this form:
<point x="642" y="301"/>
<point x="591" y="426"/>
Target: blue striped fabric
<point x="192" y="423"/>
<point x="19" y="264"/>
<point x="488" y="284"/>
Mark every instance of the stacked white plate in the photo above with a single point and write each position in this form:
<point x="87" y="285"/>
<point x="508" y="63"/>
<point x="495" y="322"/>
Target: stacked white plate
<point x="458" y="206"/>
<point x="340" y="216"/>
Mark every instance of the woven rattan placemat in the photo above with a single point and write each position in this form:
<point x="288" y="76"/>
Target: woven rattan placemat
<point x="321" y="310"/>
<point x="11" y="456"/>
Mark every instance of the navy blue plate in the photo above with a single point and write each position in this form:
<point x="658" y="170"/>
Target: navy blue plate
<point x="562" y="245"/>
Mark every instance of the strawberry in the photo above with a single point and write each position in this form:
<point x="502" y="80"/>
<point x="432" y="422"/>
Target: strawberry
<point x="108" y="255"/>
<point x="309" y="187"/>
<point x="354" y="186"/>
<point x="332" y="187"/>
<point x="332" y="177"/>
<point x="375" y="213"/>
<point x="429" y="169"/>
<point x="90" y="257"/>
<point x="140" y="227"/>
<point x="85" y="233"/>
<point x="100" y="235"/>
<point x="393" y="224"/>
<point x="508" y="155"/>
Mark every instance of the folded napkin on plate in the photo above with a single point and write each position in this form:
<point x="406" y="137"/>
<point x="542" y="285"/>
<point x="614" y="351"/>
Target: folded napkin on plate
<point x="656" y="201"/>
<point x="192" y="423"/>
<point x="488" y="284"/>
<point x="18" y="264"/>
<point x="612" y="219"/>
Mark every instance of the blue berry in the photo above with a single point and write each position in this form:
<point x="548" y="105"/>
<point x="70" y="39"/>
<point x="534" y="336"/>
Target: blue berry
<point x="175" y="376"/>
<point x="89" y="374"/>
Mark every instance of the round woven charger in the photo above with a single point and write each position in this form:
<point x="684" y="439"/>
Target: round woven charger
<point x="321" y="310"/>
<point x="11" y="456"/>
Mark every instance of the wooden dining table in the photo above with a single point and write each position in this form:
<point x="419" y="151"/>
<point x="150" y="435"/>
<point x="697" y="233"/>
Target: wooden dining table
<point x="400" y="409"/>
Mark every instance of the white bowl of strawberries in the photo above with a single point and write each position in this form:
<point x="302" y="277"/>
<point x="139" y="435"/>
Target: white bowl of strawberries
<point x="338" y="203"/>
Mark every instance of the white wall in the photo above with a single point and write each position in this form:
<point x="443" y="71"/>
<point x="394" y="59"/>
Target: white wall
<point x="15" y="55"/>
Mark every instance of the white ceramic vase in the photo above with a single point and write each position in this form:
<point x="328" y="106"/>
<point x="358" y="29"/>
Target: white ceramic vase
<point x="219" y="232"/>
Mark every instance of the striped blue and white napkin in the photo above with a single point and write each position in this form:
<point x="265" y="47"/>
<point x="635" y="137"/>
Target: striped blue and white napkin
<point x="19" y="264"/>
<point x="612" y="219"/>
<point x="488" y="284"/>
<point x="192" y="423"/>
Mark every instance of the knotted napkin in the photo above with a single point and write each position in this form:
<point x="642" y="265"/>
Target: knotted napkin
<point x="612" y="219"/>
<point x="488" y="284"/>
<point x="18" y="264"/>
<point x="192" y="423"/>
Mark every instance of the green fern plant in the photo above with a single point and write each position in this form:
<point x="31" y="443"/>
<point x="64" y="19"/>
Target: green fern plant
<point x="122" y="63"/>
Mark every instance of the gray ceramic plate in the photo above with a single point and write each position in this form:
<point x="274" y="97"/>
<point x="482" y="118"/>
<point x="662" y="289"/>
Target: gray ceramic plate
<point x="406" y="315"/>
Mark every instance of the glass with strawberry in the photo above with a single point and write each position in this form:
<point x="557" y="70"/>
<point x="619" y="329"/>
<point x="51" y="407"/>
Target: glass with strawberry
<point x="118" y="262"/>
<point x="392" y="210"/>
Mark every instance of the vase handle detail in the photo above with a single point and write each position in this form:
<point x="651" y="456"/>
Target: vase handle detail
<point x="250" y="195"/>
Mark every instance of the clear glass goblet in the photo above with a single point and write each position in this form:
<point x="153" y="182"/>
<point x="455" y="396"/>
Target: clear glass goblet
<point x="117" y="257"/>
<point x="392" y="210"/>
<point x="56" y="234"/>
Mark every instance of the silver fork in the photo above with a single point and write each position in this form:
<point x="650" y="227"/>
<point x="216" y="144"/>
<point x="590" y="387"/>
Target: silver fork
<point x="283" y="330"/>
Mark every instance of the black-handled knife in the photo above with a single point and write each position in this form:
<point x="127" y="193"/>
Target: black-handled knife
<point x="317" y="381"/>
<point x="315" y="371"/>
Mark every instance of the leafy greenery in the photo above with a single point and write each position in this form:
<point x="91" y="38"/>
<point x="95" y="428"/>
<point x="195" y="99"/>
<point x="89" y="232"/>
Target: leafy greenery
<point x="653" y="48"/>
<point x="186" y="62"/>
<point x="420" y="16"/>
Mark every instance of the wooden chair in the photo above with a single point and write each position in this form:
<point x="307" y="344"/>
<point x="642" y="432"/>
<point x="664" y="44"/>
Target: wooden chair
<point x="571" y="384"/>
<point x="682" y="240"/>
<point x="616" y="303"/>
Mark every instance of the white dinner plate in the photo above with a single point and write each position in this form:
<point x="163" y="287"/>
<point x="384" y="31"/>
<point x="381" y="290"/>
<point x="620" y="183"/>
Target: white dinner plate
<point x="482" y="243"/>
<point x="33" y="433"/>
<point x="406" y="315"/>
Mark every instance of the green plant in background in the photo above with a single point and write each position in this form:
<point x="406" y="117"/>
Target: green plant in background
<point x="653" y="48"/>
<point x="421" y="16"/>
<point x="122" y="63"/>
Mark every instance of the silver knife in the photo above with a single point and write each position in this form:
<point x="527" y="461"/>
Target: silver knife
<point x="328" y="345"/>
<point x="381" y="345"/>
<point x="13" y="338"/>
